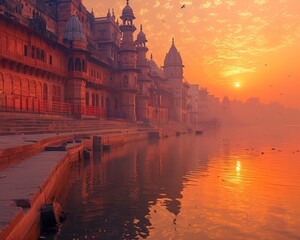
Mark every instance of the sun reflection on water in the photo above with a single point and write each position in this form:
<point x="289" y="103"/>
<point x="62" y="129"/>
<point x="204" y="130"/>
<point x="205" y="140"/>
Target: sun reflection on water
<point x="238" y="168"/>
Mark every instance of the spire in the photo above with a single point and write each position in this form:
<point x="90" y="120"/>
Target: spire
<point x="108" y="13"/>
<point x="151" y="56"/>
<point x="172" y="40"/>
<point x="141" y="27"/>
<point x="113" y="13"/>
<point x="127" y="13"/>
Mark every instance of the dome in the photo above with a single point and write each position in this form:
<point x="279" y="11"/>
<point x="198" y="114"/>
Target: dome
<point x="127" y="12"/>
<point x="173" y="57"/>
<point x="155" y="70"/>
<point x="74" y="30"/>
<point x="141" y="37"/>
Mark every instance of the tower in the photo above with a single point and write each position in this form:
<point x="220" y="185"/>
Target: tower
<point x="173" y="71"/>
<point x="128" y="59"/>
<point x="143" y="76"/>
<point x="75" y="88"/>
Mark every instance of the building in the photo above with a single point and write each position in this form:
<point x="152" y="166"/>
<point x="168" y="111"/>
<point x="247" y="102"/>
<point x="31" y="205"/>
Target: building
<point x="56" y="57"/>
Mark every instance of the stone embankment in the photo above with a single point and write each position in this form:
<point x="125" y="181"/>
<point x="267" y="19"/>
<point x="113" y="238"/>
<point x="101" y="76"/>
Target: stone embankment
<point x="34" y="169"/>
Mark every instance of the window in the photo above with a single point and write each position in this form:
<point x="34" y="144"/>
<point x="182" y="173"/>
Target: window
<point x="33" y="52"/>
<point x="93" y="100"/>
<point x="83" y="66"/>
<point x="50" y="60"/>
<point x="71" y="64"/>
<point x="125" y="81"/>
<point x="77" y="64"/>
<point x="38" y="54"/>
<point x="87" y="99"/>
<point x="45" y="92"/>
<point x="43" y="55"/>
<point x="25" y="50"/>
<point x="97" y="100"/>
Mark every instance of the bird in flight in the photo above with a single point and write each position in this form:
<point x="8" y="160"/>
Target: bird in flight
<point x="183" y="6"/>
<point x="162" y="20"/>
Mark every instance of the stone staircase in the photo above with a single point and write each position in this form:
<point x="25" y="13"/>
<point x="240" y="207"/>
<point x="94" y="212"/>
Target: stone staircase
<point x="12" y="124"/>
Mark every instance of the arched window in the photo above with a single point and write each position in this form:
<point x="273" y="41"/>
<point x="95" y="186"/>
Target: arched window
<point x="43" y="55"/>
<point x="97" y="100"/>
<point x="39" y="90"/>
<point x="77" y="64"/>
<point x="83" y="66"/>
<point x="33" y="52"/>
<point x="93" y="100"/>
<point x="32" y="88"/>
<point x="125" y="81"/>
<point x="87" y="99"/>
<point x="58" y="93"/>
<point x="45" y="92"/>
<point x="54" y="93"/>
<point x="38" y="54"/>
<point x="71" y="64"/>
<point x="1" y="83"/>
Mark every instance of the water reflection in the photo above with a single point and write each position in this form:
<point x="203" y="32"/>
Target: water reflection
<point x="217" y="186"/>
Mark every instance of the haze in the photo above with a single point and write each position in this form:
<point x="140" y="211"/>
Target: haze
<point x="239" y="49"/>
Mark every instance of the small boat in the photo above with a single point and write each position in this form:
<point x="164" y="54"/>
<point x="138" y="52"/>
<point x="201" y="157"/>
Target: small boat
<point x="198" y="132"/>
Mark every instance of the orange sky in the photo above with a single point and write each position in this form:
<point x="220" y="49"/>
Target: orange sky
<point x="253" y="42"/>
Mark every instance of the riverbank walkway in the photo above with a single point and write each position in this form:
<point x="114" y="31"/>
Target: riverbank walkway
<point x="27" y="169"/>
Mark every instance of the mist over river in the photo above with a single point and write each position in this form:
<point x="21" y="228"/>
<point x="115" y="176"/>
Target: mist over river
<point x="226" y="184"/>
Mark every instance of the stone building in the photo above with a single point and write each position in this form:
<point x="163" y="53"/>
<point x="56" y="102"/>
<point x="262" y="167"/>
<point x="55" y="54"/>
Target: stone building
<point x="56" y="57"/>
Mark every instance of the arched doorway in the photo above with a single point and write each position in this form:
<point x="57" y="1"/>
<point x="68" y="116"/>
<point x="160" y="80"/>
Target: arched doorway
<point x="45" y="97"/>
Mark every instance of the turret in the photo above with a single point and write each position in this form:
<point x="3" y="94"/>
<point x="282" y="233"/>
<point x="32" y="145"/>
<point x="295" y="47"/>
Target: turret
<point x="143" y="75"/>
<point x="128" y="59"/>
<point x="173" y="71"/>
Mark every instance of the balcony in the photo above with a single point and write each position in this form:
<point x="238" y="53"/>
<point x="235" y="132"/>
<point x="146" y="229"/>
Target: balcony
<point x="31" y="62"/>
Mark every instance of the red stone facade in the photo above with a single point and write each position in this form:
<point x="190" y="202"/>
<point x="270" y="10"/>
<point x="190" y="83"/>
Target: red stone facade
<point x="58" y="58"/>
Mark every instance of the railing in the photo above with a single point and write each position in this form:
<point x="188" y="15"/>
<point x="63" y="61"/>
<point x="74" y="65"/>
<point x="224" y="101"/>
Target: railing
<point x="57" y="108"/>
<point x="94" y="111"/>
<point x="18" y="103"/>
<point x="30" y="61"/>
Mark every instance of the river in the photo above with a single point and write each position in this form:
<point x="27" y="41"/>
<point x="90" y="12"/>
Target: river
<point x="228" y="184"/>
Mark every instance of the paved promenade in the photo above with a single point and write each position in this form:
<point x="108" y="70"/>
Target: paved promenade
<point x="26" y="168"/>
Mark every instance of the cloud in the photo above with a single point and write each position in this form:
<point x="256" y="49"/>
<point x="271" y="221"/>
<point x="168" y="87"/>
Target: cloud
<point x="245" y="14"/>
<point x="157" y="4"/>
<point x="218" y="2"/>
<point x="161" y="16"/>
<point x="179" y="15"/>
<point x="186" y="3"/>
<point x="236" y="70"/>
<point x="194" y="19"/>
<point x="260" y="2"/>
<point x="143" y="11"/>
<point x="168" y="6"/>
<point x="206" y="5"/>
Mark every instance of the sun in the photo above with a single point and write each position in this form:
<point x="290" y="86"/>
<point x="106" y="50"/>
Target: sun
<point x="237" y="85"/>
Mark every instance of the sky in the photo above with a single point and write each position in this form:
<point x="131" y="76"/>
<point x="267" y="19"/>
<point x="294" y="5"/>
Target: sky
<point x="234" y="48"/>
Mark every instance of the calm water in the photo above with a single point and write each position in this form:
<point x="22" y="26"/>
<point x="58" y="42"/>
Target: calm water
<point x="234" y="184"/>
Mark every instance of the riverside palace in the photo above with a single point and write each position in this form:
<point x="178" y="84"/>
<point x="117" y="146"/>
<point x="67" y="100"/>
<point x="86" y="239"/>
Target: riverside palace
<point x="58" y="58"/>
